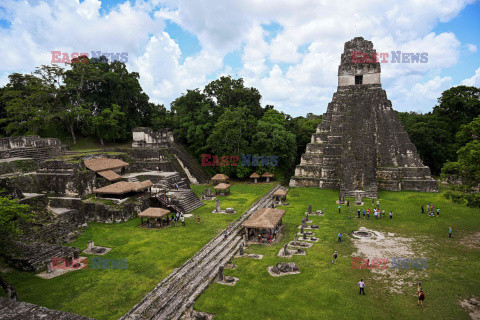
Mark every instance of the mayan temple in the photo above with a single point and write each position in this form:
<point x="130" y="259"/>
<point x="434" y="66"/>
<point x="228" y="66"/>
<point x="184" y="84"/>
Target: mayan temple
<point x="360" y="145"/>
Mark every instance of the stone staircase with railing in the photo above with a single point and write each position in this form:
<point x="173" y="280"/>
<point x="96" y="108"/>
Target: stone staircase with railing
<point x="177" y="292"/>
<point x="191" y="165"/>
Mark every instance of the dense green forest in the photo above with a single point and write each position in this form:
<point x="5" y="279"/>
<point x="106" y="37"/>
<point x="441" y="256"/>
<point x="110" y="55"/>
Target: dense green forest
<point x="103" y="100"/>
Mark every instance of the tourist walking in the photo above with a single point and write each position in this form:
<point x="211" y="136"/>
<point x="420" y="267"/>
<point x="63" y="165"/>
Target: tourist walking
<point x="358" y="213"/>
<point x="334" y="260"/>
<point x="368" y="214"/>
<point x="339" y="208"/>
<point x="198" y="219"/>
<point x="421" y="298"/>
<point x="364" y="213"/>
<point x="383" y="213"/>
<point x="361" y="285"/>
<point x="348" y="203"/>
<point x="375" y="213"/>
<point x="423" y="209"/>
<point x="182" y="218"/>
<point x="391" y="215"/>
<point x="438" y="212"/>
<point x="339" y="237"/>
<point x="449" y="232"/>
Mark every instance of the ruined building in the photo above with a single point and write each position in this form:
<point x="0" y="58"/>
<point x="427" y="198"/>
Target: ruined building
<point x="361" y="146"/>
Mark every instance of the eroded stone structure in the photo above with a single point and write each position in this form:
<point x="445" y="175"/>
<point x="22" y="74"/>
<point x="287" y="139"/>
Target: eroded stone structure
<point x="360" y="145"/>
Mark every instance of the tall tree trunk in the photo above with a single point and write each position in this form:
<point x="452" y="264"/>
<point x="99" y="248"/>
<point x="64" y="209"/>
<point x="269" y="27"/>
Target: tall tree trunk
<point x="9" y="289"/>
<point x="101" y="141"/>
<point x="72" y="132"/>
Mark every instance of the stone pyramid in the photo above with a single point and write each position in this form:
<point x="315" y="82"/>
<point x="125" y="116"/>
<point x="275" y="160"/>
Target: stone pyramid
<point x="360" y="145"/>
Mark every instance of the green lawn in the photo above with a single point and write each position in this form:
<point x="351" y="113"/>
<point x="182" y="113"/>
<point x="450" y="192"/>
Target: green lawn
<point x="151" y="255"/>
<point x="326" y="291"/>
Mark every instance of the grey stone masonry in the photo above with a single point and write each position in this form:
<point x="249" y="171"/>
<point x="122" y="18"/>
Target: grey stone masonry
<point x="360" y="145"/>
<point x="13" y="310"/>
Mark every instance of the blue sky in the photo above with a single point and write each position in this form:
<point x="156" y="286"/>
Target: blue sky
<point x="290" y="52"/>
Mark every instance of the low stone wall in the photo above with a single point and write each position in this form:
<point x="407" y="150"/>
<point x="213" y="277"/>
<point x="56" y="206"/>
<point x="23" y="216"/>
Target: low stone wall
<point x="25" y="165"/>
<point x="27" y="142"/>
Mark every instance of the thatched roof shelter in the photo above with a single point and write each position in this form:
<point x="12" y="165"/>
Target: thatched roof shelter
<point x="268" y="175"/>
<point x="110" y="175"/>
<point x="153" y="212"/>
<point x="221" y="186"/>
<point x="266" y="218"/>
<point x="102" y="164"/>
<point x="220" y="176"/>
<point x="280" y="193"/>
<point x="254" y="175"/>
<point x="124" y="187"/>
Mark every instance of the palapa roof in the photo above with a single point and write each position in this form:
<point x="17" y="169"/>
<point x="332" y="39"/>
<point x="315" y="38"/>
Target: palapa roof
<point x="102" y="164"/>
<point x="268" y="175"/>
<point x="109" y="175"/>
<point x="280" y="192"/>
<point x="219" y="176"/>
<point x="266" y="218"/>
<point x="153" y="212"/>
<point x="254" y="175"/>
<point x="123" y="187"/>
<point x="222" y="186"/>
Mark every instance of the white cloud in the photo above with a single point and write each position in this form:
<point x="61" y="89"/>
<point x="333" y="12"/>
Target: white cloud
<point x="296" y="69"/>
<point x="471" y="47"/>
<point x="473" y="81"/>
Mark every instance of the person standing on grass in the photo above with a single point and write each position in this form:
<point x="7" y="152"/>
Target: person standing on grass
<point x="182" y="218"/>
<point x="423" y="209"/>
<point x="358" y="213"/>
<point x="364" y="213"/>
<point x="421" y="297"/>
<point x="334" y="260"/>
<point x="383" y="213"/>
<point x="391" y="215"/>
<point x="361" y="285"/>
<point x="368" y="214"/>
<point x="438" y="212"/>
<point x="339" y="237"/>
<point x="375" y="214"/>
<point x="339" y="208"/>
<point x="450" y="232"/>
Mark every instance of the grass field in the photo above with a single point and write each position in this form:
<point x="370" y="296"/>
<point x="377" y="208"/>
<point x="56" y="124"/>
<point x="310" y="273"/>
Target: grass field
<point x="326" y="291"/>
<point x="151" y="255"/>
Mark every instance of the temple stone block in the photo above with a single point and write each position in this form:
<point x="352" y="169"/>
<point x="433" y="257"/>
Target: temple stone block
<point x="360" y="145"/>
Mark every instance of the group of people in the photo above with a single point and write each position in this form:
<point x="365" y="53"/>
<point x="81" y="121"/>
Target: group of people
<point x="376" y="212"/>
<point x="429" y="208"/>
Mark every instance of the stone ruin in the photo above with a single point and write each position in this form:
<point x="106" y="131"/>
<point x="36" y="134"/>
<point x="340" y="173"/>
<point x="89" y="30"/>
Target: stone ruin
<point x="284" y="268"/>
<point x="32" y="147"/>
<point x="360" y="145"/>
<point x="146" y="137"/>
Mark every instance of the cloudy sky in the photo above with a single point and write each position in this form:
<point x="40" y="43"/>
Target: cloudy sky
<point x="288" y="49"/>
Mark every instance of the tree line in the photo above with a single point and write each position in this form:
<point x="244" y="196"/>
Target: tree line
<point x="101" y="99"/>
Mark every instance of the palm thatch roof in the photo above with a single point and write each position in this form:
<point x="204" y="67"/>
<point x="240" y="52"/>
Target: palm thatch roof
<point x="102" y="164"/>
<point x="280" y="192"/>
<point x="153" y="212"/>
<point x="268" y="175"/>
<point x="266" y="218"/>
<point x="254" y="175"/>
<point x="124" y="187"/>
<point x="109" y="175"/>
<point x="220" y="176"/>
<point x="221" y="186"/>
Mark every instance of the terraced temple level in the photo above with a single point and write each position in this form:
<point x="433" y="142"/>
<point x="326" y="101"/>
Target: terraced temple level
<point x="360" y="145"/>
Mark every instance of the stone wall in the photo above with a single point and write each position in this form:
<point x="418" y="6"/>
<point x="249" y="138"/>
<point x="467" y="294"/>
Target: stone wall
<point x="27" y="142"/>
<point x="146" y="137"/>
